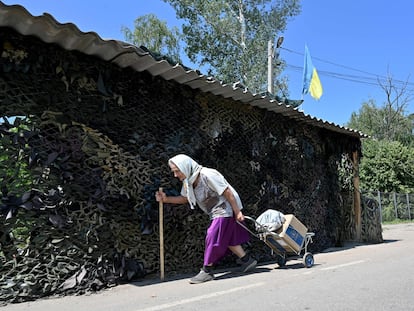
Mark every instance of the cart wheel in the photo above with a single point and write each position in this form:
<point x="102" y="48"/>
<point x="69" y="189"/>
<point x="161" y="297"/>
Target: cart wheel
<point x="308" y="260"/>
<point x="281" y="260"/>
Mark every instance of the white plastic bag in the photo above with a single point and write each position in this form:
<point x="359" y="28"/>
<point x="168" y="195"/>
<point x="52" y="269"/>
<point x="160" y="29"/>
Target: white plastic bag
<point x="271" y="220"/>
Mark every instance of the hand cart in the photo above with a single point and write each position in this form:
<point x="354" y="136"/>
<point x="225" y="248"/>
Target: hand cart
<point x="278" y="243"/>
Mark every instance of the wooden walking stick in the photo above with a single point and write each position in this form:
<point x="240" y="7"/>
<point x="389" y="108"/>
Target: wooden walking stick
<point x="161" y="225"/>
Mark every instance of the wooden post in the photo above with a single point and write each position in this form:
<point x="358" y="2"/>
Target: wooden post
<point x="357" y="196"/>
<point x="161" y="225"/>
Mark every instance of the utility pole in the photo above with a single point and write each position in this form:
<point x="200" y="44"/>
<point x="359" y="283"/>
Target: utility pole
<point x="270" y="56"/>
<point x="270" y="66"/>
<point x="273" y="54"/>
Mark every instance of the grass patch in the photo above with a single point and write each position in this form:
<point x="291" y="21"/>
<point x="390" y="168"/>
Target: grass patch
<point x="398" y="221"/>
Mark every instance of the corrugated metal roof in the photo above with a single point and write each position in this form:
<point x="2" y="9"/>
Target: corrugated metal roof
<point x="124" y="55"/>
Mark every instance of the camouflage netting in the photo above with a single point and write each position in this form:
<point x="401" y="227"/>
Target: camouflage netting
<point x="80" y="166"/>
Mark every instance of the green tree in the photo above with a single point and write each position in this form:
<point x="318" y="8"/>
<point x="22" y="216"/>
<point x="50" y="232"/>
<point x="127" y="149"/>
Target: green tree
<point x="388" y="159"/>
<point x="367" y="119"/>
<point x="384" y="123"/>
<point x="396" y="124"/>
<point x="155" y="35"/>
<point x="387" y="166"/>
<point x="230" y="37"/>
<point x="389" y="122"/>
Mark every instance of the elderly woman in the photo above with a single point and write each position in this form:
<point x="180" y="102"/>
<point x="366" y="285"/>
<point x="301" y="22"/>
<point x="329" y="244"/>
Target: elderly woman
<point x="208" y="189"/>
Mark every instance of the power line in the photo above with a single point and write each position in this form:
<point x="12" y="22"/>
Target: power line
<point x="372" y="79"/>
<point x="352" y="78"/>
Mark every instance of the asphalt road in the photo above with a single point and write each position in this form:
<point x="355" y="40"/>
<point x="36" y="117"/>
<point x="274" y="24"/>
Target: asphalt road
<point x="356" y="277"/>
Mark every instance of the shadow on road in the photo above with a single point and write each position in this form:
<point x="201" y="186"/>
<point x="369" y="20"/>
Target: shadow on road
<point x="220" y="274"/>
<point x="226" y="273"/>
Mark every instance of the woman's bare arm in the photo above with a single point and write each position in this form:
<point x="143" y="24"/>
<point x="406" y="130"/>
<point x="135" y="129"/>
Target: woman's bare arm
<point x="228" y="194"/>
<point x="160" y="196"/>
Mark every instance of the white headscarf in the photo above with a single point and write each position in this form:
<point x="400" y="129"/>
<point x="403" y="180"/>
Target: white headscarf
<point x="191" y="169"/>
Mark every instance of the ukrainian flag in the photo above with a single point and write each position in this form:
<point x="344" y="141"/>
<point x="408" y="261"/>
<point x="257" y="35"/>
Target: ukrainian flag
<point x="311" y="82"/>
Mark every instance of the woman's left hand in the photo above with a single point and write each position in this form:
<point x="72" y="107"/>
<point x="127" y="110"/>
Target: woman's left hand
<point x="240" y="216"/>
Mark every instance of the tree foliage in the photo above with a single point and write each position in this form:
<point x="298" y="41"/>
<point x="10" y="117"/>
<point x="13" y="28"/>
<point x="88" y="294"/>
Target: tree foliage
<point x="388" y="159"/>
<point x="230" y="37"/>
<point x="14" y="173"/>
<point x="387" y="166"/>
<point x="389" y="122"/>
<point x="155" y="35"/>
<point x="384" y="123"/>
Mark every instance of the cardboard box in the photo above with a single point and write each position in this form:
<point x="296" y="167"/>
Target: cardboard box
<point x="292" y="234"/>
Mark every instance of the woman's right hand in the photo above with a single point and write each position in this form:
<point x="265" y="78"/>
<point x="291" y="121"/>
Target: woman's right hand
<point x="160" y="196"/>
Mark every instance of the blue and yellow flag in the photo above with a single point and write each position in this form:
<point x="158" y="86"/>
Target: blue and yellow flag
<point x="311" y="82"/>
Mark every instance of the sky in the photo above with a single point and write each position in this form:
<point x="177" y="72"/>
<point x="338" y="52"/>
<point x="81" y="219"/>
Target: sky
<point x="352" y="44"/>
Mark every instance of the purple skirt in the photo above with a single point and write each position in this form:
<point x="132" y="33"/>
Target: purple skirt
<point x="222" y="233"/>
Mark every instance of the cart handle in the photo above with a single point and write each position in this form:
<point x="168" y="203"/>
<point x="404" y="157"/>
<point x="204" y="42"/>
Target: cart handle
<point x="245" y="227"/>
<point x="258" y="224"/>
